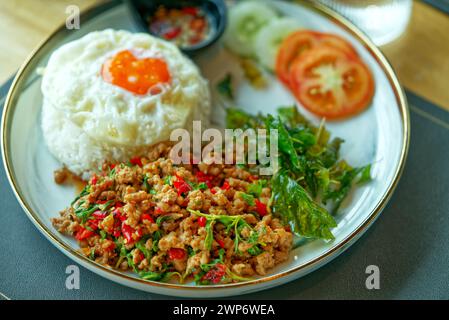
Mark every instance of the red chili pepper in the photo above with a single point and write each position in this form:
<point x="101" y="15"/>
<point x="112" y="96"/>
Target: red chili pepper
<point x="118" y="205"/>
<point x="139" y="257"/>
<point x="111" y="246"/>
<point x="112" y="166"/>
<point x="207" y="179"/>
<point x="253" y="178"/>
<point x="226" y="186"/>
<point x="101" y="201"/>
<point x="94" y="180"/>
<point x="99" y="215"/>
<point x="195" y="40"/>
<point x="172" y="33"/>
<point x="181" y="185"/>
<point x="83" y="234"/>
<point x="220" y="243"/>
<point x="136" y="161"/>
<point x="119" y="215"/>
<point x="261" y="208"/>
<point x="127" y="232"/>
<point x="158" y="211"/>
<point x="213" y="191"/>
<point x="202" y="221"/>
<point x="146" y="216"/>
<point x="190" y="10"/>
<point x="216" y="274"/>
<point x="116" y="233"/>
<point x="93" y="224"/>
<point x="176" y="254"/>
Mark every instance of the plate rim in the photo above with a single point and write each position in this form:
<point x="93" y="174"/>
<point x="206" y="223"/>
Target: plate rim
<point x="291" y="273"/>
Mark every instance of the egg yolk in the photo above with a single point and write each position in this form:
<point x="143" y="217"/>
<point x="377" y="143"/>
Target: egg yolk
<point x="136" y="75"/>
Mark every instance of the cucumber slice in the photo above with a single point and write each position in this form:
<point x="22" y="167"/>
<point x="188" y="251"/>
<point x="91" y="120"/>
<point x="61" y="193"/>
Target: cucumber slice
<point x="270" y="37"/>
<point x="245" y="21"/>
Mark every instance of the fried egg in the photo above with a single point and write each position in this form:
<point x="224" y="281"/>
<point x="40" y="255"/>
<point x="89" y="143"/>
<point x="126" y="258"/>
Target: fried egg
<point x="125" y="88"/>
<point x="122" y="91"/>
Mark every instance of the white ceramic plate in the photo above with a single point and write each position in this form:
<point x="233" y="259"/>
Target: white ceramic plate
<point x="379" y="135"/>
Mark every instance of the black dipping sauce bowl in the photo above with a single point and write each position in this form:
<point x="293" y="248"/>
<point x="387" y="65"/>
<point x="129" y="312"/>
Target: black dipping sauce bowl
<point x="144" y="10"/>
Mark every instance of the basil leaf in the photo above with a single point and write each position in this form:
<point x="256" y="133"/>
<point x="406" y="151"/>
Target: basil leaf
<point x="224" y="87"/>
<point x="295" y="207"/>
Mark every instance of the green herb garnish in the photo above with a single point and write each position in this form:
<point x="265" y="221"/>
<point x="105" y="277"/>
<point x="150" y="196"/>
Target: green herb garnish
<point x="224" y="87"/>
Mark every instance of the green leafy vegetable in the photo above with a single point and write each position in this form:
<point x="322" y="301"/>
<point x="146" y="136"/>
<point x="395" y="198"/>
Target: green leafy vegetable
<point x="167" y="180"/>
<point x="286" y="144"/>
<point x="248" y="198"/>
<point x="255" y="251"/>
<point x="310" y="170"/>
<point x="238" y="119"/>
<point x="146" y="184"/>
<point x="256" y="187"/>
<point x="224" y="87"/>
<point x="232" y="223"/>
<point x="296" y="208"/>
<point x="141" y="246"/>
<point x="83" y="214"/>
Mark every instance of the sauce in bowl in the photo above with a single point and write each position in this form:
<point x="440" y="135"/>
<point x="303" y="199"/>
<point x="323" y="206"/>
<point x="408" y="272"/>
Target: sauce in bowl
<point x="185" y="27"/>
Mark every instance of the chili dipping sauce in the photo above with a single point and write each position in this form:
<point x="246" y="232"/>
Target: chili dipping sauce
<point x="185" y="27"/>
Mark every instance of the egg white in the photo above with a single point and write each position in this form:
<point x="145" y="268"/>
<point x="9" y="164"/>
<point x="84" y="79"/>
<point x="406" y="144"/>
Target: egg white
<point x="72" y="83"/>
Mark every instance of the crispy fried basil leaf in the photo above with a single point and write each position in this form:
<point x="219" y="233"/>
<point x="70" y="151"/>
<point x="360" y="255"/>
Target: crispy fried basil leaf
<point x="239" y="119"/>
<point x="295" y="207"/>
<point x="285" y="142"/>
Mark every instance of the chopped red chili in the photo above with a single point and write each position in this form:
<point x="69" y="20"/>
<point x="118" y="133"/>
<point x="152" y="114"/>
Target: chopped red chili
<point x="128" y="232"/>
<point x="181" y="185"/>
<point x="117" y="213"/>
<point x="190" y="10"/>
<point x="99" y="214"/>
<point x="216" y="274"/>
<point x="202" y="221"/>
<point x="146" y="216"/>
<point x="83" y="234"/>
<point x="206" y="178"/>
<point x="136" y="161"/>
<point x="261" y="208"/>
<point x="110" y="247"/>
<point x="172" y="33"/>
<point x="220" y="243"/>
<point x="226" y="185"/>
<point x="176" y="254"/>
<point x="118" y="205"/>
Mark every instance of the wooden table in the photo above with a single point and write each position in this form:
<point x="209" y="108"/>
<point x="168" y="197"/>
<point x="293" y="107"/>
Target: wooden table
<point x="420" y="56"/>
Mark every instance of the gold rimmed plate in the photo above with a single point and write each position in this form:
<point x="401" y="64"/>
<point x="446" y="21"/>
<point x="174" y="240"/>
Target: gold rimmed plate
<point x="380" y="136"/>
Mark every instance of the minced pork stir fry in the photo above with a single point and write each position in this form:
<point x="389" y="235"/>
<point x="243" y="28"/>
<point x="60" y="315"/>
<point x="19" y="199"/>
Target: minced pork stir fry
<point x="212" y="223"/>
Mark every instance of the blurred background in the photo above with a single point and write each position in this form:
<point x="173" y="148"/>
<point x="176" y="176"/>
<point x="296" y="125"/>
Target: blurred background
<point x="419" y="53"/>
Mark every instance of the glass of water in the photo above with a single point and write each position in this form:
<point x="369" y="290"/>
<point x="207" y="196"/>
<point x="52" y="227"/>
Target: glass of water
<point x="382" y="20"/>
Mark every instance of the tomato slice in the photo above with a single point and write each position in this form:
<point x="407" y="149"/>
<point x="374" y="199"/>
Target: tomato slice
<point x="330" y="84"/>
<point x="302" y="41"/>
